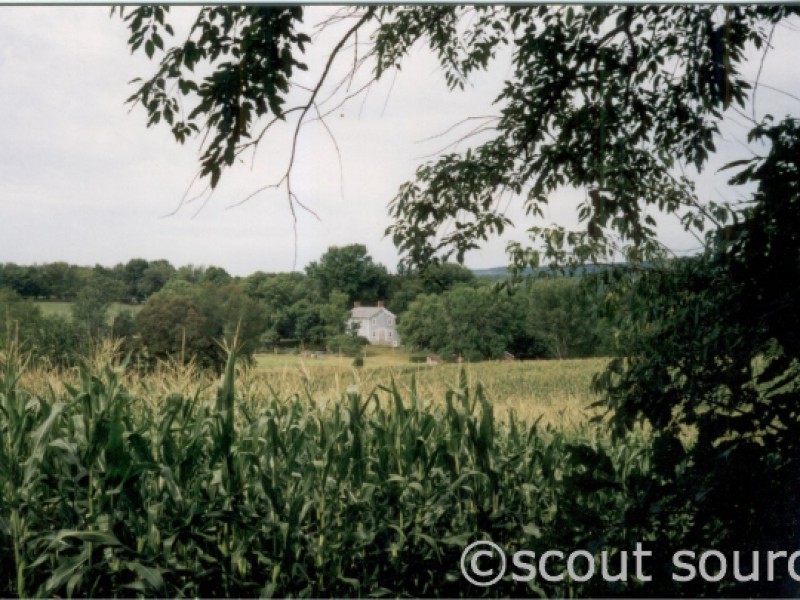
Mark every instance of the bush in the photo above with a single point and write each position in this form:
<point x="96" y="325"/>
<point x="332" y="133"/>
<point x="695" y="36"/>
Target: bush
<point x="346" y="344"/>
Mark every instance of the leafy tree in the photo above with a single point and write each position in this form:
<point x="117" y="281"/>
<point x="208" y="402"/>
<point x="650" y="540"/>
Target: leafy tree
<point x="348" y="343"/>
<point x="471" y="323"/>
<point x="315" y="323"/>
<point x="154" y="277"/>
<point x="216" y="275"/>
<point x="178" y="287"/>
<point x="90" y="310"/>
<point x="173" y="325"/>
<point x="132" y="274"/>
<point x="438" y="278"/>
<point x="278" y="289"/>
<point x="217" y="312"/>
<point x="435" y="278"/>
<point x="566" y="315"/>
<point x="552" y="318"/>
<point x="190" y="273"/>
<point x="25" y="280"/>
<point x="93" y="300"/>
<point x="53" y="339"/>
<point x="62" y="280"/>
<point x="350" y="269"/>
<point x="59" y="341"/>
<point x="18" y="317"/>
<point x="423" y="324"/>
<point x="278" y="293"/>
<point x="124" y="328"/>
<point x="334" y="314"/>
<point x="239" y="315"/>
<point x="404" y="289"/>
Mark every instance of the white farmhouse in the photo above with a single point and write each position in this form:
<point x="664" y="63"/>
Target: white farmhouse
<point x="375" y="323"/>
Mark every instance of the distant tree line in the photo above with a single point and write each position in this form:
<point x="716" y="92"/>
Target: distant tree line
<point x="132" y="282"/>
<point x="187" y="311"/>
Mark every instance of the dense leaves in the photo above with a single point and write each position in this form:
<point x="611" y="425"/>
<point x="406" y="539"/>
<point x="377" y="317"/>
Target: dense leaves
<point x="712" y="364"/>
<point x="602" y="98"/>
<point x="551" y="318"/>
<point x="351" y="270"/>
<point x="51" y="339"/>
<point x="252" y="52"/>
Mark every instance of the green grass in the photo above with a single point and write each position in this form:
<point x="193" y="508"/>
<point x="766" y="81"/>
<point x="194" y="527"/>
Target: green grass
<point x="64" y="309"/>
<point x="374" y="356"/>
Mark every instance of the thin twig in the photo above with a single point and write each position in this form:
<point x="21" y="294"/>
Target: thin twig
<point x="346" y="99"/>
<point x="780" y="91"/>
<point x="760" y="68"/>
<point x="203" y="205"/>
<point x="183" y="198"/>
<point x="389" y="93"/>
<point x="477" y="130"/>
<point x="457" y="124"/>
<point x="338" y="153"/>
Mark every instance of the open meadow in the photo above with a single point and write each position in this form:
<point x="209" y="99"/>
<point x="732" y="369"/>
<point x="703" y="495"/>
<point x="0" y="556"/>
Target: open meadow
<point x="557" y="391"/>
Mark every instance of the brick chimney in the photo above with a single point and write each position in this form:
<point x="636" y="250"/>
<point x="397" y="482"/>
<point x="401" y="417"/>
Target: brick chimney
<point x="356" y="304"/>
<point x="380" y="303"/>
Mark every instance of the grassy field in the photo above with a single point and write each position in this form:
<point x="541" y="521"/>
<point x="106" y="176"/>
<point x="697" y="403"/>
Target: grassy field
<point x="374" y="356"/>
<point x="555" y="391"/>
<point x="64" y="309"/>
<point x="558" y="391"/>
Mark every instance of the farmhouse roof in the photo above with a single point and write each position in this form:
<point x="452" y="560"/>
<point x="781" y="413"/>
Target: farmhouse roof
<point x="367" y="312"/>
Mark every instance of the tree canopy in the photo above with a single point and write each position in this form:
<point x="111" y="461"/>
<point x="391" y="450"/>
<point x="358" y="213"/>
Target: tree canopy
<point x="351" y="270"/>
<point x="608" y="99"/>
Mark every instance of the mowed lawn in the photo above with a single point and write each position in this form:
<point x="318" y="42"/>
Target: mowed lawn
<point x="374" y="356"/>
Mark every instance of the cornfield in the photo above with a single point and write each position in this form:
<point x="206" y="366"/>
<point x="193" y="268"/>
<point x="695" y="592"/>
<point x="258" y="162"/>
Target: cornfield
<point x="115" y="489"/>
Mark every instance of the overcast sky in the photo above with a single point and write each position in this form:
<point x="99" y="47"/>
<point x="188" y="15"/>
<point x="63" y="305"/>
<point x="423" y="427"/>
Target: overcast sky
<point x="84" y="181"/>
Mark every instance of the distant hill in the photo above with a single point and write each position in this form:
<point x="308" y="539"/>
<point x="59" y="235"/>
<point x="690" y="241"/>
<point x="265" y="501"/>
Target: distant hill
<point x="502" y="272"/>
